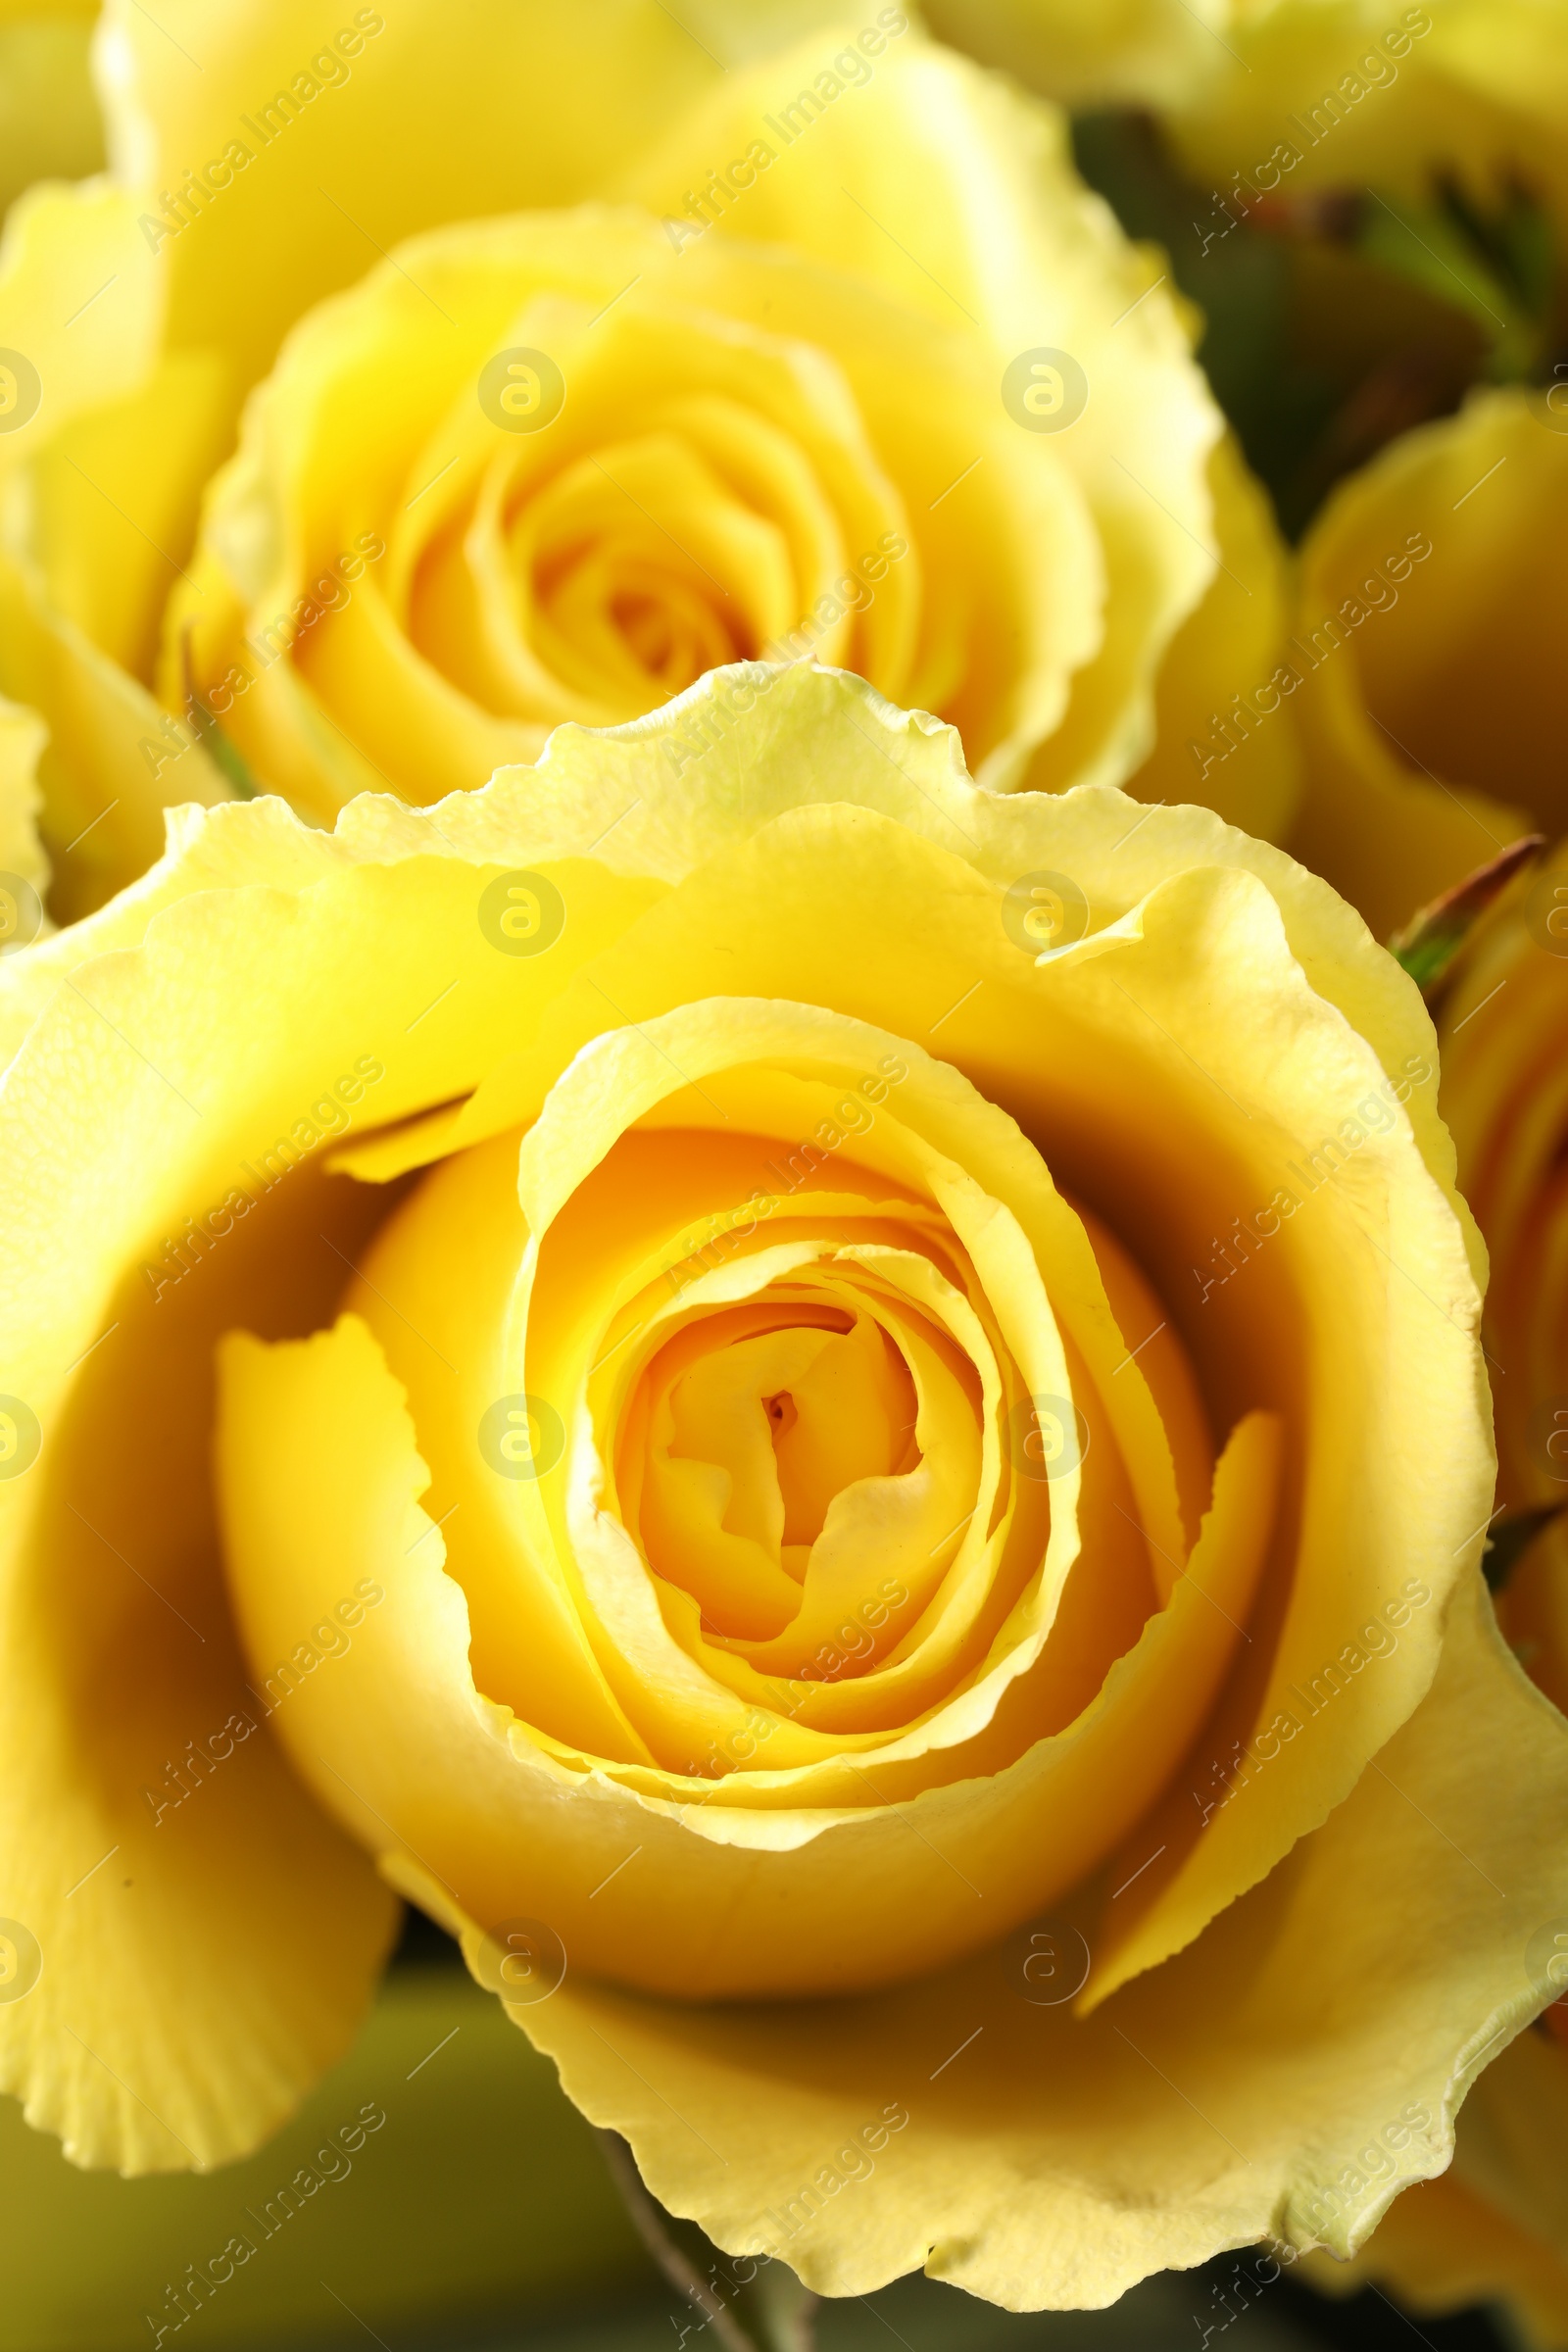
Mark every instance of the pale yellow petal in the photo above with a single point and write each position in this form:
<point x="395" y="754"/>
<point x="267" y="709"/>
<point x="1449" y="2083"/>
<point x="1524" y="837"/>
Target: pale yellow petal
<point x="23" y="735"/>
<point x="1495" y="2228"/>
<point x="1428" y="649"/>
<point x="308" y="124"/>
<point x="1231" y="651"/>
<point x="80" y="305"/>
<point x="90" y="553"/>
<point x="1036" y="2159"/>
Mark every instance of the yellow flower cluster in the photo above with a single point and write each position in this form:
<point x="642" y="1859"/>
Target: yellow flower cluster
<point x="726" y="1250"/>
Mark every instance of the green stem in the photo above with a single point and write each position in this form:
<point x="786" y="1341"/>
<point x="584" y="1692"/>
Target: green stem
<point x="772" y="2311"/>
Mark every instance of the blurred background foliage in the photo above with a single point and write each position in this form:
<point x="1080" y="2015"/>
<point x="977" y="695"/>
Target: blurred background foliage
<point x="1335" y="319"/>
<point x="481" y="2217"/>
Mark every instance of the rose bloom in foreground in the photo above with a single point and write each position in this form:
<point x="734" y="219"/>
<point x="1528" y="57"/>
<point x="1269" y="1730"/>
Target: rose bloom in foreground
<point x="837" y="1416"/>
<point x="1498" y="2222"/>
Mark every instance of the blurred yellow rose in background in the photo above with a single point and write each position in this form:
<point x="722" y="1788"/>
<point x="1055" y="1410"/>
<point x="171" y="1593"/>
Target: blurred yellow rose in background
<point x="849" y="1634"/>
<point x="1347" y="91"/>
<point x="1498" y="2224"/>
<point x="1129" y="52"/>
<point x="258" y="163"/>
<point x="1505" y="1030"/>
<point x="1494" y="2226"/>
<point x="928" y="413"/>
<point x="958" y="198"/>
<point x="603" y="453"/>
<point x="1432" y="651"/>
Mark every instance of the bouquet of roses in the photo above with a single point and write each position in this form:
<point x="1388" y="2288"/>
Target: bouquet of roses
<point x="784" y="930"/>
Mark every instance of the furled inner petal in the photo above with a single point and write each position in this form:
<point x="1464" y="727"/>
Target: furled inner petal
<point x="577" y="570"/>
<point x="816" y="1459"/>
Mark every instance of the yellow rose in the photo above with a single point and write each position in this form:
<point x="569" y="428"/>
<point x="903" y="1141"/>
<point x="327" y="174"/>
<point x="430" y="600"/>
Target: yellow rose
<point x="260" y="161"/>
<point x="550" y="1368"/>
<point x="1498" y="2224"/>
<point x="1119" y="52"/>
<point x="870" y="378"/>
<point x="1290" y="95"/>
<point x="1495" y="2228"/>
<point x="1428" y="651"/>
<point x="957" y="197"/>
<point x="625" y="463"/>
<point x="1505" y="1031"/>
<point x="1334" y="93"/>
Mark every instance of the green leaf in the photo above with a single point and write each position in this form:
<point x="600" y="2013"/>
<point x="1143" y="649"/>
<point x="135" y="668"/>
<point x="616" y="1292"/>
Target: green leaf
<point x="749" y="2303"/>
<point x="1515" y="236"/>
<point x="1433" y="937"/>
<point x="1497" y="265"/>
